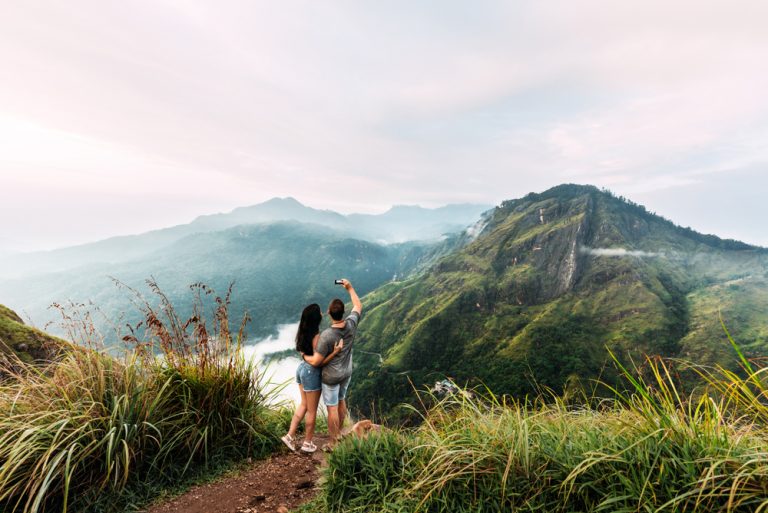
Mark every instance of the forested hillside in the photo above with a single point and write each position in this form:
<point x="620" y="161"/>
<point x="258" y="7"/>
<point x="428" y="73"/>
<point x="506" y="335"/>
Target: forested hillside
<point x="276" y="268"/>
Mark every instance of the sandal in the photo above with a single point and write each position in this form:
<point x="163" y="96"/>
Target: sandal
<point x="308" y="447"/>
<point x="289" y="441"/>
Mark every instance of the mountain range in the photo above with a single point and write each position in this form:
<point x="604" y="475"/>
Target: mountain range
<point x="399" y="224"/>
<point x="551" y="283"/>
<point x="280" y="254"/>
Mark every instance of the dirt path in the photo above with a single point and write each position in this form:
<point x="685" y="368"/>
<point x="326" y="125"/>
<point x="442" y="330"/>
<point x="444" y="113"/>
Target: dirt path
<point x="275" y="485"/>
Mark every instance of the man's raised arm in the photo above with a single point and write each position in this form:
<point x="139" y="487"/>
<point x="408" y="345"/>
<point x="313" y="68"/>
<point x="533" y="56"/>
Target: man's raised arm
<point x="357" y="306"/>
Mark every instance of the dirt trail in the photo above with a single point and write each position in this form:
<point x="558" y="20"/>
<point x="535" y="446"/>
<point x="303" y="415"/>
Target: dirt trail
<point x="276" y="485"/>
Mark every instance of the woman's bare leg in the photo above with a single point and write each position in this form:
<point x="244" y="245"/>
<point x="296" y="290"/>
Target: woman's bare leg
<point x="313" y="400"/>
<point x="301" y="410"/>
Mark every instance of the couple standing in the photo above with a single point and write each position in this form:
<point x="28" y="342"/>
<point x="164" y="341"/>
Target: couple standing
<point x="326" y="368"/>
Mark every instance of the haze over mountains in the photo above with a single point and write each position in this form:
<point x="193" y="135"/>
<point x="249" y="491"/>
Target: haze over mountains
<point x="281" y="254"/>
<point x="399" y="224"/>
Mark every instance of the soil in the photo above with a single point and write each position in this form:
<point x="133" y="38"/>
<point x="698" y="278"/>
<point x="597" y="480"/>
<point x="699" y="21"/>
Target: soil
<point x="276" y="485"/>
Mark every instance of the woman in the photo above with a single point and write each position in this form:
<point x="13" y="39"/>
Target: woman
<point x="308" y="376"/>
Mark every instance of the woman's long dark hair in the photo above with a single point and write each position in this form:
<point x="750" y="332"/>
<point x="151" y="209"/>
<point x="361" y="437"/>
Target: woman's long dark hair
<point x="309" y="326"/>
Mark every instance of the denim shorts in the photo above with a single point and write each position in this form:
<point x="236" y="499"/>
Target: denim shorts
<point x="332" y="394"/>
<point x="309" y="377"/>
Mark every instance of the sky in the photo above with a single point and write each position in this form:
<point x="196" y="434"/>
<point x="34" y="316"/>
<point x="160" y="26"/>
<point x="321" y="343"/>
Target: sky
<point x="121" y="117"/>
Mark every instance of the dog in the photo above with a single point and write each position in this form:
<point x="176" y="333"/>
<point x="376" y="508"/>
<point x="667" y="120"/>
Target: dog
<point x="362" y="429"/>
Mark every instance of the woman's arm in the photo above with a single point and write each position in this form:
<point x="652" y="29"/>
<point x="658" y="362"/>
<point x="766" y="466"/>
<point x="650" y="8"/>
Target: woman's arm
<point x="318" y="360"/>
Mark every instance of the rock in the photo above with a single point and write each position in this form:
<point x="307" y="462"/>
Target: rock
<point x="305" y="484"/>
<point x="257" y="499"/>
<point x="282" y="509"/>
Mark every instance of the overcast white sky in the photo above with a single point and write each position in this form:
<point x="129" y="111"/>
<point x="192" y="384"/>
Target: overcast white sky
<point x="118" y="117"/>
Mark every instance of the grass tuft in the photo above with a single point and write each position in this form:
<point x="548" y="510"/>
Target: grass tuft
<point x="91" y="432"/>
<point x="652" y="448"/>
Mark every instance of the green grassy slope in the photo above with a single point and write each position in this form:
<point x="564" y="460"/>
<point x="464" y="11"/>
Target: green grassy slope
<point x="742" y="303"/>
<point x="29" y="344"/>
<point x="529" y="301"/>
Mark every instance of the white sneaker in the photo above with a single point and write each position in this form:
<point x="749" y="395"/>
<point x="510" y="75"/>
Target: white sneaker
<point x="289" y="442"/>
<point x="308" y="447"/>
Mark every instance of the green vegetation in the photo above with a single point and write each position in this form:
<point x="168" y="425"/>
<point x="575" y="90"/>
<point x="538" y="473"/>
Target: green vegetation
<point x="743" y="303"/>
<point x="649" y="449"/>
<point x="18" y="341"/>
<point x="533" y="302"/>
<point x="93" y="433"/>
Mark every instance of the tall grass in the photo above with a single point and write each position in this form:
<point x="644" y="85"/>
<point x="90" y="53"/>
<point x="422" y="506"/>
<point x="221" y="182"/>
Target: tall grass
<point x="652" y="449"/>
<point x="90" y="427"/>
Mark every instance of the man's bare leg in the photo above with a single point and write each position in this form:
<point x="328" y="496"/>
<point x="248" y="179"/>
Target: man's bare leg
<point x="333" y="422"/>
<point x="342" y="415"/>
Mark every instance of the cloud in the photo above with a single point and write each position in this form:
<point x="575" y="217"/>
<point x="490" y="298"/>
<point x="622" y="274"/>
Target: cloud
<point x="618" y="252"/>
<point x="401" y="102"/>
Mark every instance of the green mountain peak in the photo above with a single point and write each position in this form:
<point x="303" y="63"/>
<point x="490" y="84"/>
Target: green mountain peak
<point x="546" y="285"/>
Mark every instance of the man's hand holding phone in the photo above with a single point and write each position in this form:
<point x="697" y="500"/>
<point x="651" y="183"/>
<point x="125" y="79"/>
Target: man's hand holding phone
<point x="344" y="282"/>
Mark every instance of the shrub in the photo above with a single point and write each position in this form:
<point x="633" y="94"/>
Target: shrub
<point x="367" y="471"/>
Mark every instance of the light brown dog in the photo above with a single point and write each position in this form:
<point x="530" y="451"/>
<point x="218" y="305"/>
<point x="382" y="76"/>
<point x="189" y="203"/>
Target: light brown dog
<point x="362" y="428"/>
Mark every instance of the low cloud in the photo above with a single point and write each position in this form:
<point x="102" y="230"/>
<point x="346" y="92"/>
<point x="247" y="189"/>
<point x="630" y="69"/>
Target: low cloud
<point x="474" y="231"/>
<point x="618" y="252"/>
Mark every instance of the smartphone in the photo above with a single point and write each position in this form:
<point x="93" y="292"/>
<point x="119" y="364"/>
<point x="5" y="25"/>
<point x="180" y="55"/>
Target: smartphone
<point x="338" y="282"/>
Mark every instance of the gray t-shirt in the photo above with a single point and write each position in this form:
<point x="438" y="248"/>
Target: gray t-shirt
<point x="340" y="367"/>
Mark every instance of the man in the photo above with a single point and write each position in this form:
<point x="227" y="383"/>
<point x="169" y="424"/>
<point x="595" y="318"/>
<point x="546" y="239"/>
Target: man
<point x="338" y="372"/>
